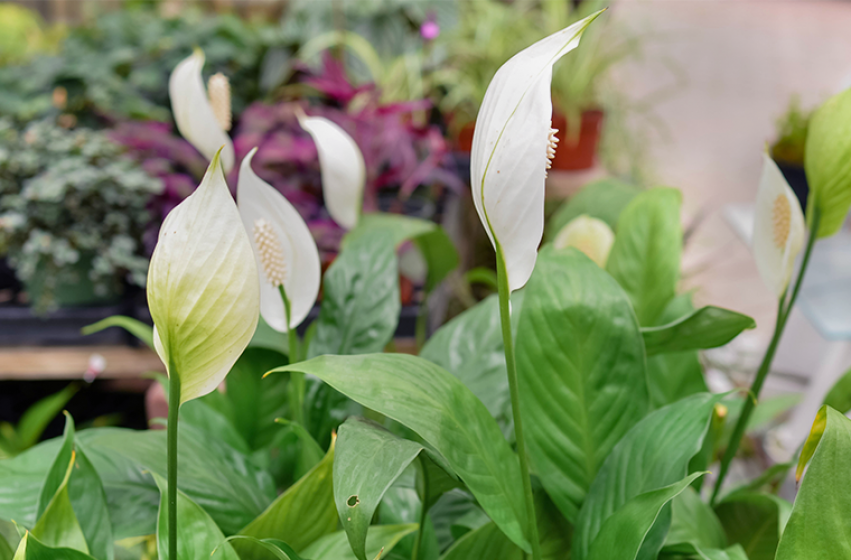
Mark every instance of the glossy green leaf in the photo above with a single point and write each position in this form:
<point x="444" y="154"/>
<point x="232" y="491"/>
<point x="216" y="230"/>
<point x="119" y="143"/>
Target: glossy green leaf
<point x="604" y="199"/>
<point x="839" y="396"/>
<point x="85" y="492"/>
<point x="446" y="414"/>
<point x="440" y="256"/>
<point x="302" y="514"/>
<point x="826" y="160"/>
<point x="674" y="376"/>
<point x="689" y="550"/>
<point x="654" y="453"/>
<point x="268" y="338"/>
<point x="694" y="522"/>
<point x="213" y="423"/>
<point x="625" y="531"/>
<point x="279" y="549"/>
<point x="485" y="542"/>
<point x="198" y="536"/>
<point x="645" y="258"/>
<point x="708" y="327"/>
<point x="818" y="526"/>
<point x="140" y="330"/>
<point x="6" y="552"/>
<point x="30" y="548"/>
<point x="360" y="303"/>
<point x="754" y="521"/>
<point x="58" y="525"/>
<point x="256" y="402"/>
<point x="470" y="347"/>
<point x="39" y="415"/>
<point x="401" y="505"/>
<point x="21" y="480"/>
<point x="580" y="364"/>
<point x="380" y="541"/>
<point x="367" y="461"/>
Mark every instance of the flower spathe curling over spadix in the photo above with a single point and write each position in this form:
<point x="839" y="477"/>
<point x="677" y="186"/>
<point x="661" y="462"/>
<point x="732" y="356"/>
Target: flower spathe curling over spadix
<point x="203" y="288"/>
<point x="513" y="143"/>
<point x="203" y="116"/>
<point x="342" y="166"/>
<point x="285" y="250"/>
<point x="778" y="228"/>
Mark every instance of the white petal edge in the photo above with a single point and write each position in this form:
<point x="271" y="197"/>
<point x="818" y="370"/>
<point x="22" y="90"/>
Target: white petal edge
<point x="203" y="288"/>
<point x="342" y="166"/>
<point x="259" y="200"/>
<point x="508" y="160"/>
<point x="193" y="112"/>
<point x="776" y="264"/>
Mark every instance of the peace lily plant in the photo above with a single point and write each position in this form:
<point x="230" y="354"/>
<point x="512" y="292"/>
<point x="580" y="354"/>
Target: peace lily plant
<point x="428" y="457"/>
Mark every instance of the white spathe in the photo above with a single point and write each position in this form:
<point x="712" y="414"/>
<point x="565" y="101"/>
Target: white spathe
<point x="590" y="235"/>
<point x="261" y="205"/>
<point x="203" y="288"/>
<point x="193" y="112"/>
<point x="342" y="166"/>
<point x="779" y="229"/>
<point x="510" y="147"/>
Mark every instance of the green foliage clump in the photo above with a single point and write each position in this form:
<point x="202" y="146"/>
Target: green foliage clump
<point x="792" y="134"/>
<point x="67" y="199"/>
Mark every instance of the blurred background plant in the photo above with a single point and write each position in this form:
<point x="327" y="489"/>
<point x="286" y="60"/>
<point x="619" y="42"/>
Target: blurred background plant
<point x="24" y="34"/>
<point x="791" y="134"/>
<point x="72" y="213"/>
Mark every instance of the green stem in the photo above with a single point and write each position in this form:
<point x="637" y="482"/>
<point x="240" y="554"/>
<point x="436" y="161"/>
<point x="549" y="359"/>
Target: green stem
<point x="511" y="366"/>
<point x="297" y="388"/>
<point x="422" y="322"/>
<point x="784" y="310"/>
<point x="173" y="408"/>
<point x="418" y="543"/>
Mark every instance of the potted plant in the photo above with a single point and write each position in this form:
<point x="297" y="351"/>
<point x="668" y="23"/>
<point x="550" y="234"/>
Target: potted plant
<point x="788" y="149"/>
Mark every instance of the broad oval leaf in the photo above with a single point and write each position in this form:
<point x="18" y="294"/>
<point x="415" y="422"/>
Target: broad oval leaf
<point x="581" y="369"/>
<point x="604" y="199"/>
<point x="818" y="526"/>
<point x="755" y="521"/>
<point x="379" y="542"/>
<point x="693" y="521"/>
<point x="360" y="304"/>
<point x="708" y="327"/>
<point x="624" y="532"/>
<point x="654" y="453"/>
<point x="58" y="526"/>
<point x="645" y="259"/>
<point x="279" y="549"/>
<point x="436" y="405"/>
<point x="485" y="542"/>
<point x="198" y="536"/>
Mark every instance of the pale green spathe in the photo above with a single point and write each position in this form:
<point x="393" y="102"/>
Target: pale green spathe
<point x="203" y="288"/>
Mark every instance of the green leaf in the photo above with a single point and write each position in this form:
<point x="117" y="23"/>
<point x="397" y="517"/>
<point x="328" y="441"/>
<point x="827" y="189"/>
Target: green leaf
<point x="694" y="522"/>
<point x="735" y="552"/>
<point x="302" y="514"/>
<point x="580" y="364"/>
<point x="470" y="347"/>
<point x="754" y="521"/>
<point x="58" y="525"/>
<point x="214" y="424"/>
<point x="485" y="542"/>
<point x="818" y="526"/>
<point x="198" y="536"/>
<point x="39" y="415"/>
<point x="625" y="531"/>
<point x="772" y="477"/>
<point x="440" y="256"/>
<point x="380" y="541"/>
<point x="21" y="480"/>
<point x="278" y="548"/>
<point x="827" y="161"/>
<point x="86" y="494"/>
<point x="360" y="305"/>
<point x="140" y="330"/>
<point x="645" y="258"/>
<point x="839" y="396"/>
<point x="446" y="414"/>
<point x="708" y="327"/>
<point x="401" y="505"/>
<point x="30" y="548"/>
<point x="6" y="552"/>
<point x="653" y="454"/>
<point x="604" y="199"/>
<point x="268" y="338"/>
<point x="256" y="402"/>
<point x="368" y="460"/>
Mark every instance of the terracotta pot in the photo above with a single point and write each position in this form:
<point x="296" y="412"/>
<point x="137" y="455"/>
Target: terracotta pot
<point x="465" y="137"/>
<point x="580" y="154"/>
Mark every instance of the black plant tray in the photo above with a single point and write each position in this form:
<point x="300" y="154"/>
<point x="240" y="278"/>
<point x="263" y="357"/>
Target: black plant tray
<point x="20" y="326"/>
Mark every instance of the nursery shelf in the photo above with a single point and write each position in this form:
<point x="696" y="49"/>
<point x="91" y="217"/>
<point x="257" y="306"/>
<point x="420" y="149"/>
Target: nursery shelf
<point x="76" y="362"/>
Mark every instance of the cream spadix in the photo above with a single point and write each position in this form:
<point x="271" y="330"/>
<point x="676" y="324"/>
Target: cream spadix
<point x="203" y="120"/>
<point x="778" y="228"/>
<point x="283" y="246"/>
<point x="342" y="166"/>
<point x="591" y="236"/>
<point x="203" y="289"/>
<point x="512" y="146"/>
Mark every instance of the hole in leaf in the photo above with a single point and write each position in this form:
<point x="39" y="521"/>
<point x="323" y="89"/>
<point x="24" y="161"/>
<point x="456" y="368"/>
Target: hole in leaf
<point x="352" y="501"/>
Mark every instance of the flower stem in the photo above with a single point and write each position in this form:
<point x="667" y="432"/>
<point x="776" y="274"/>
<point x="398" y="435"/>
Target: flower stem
<point x="511" y="366"/>
<point x="418" y="543"/>
<point x="173" y="408"/>
<point x="784" y="309"/>
<point x="296" y="392"/>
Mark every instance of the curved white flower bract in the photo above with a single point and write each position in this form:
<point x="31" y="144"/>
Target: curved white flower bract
<point x="511" y="145"/>
<point x="342" y="166"/>
<point x="285" y="250"/>
<point x="193" y="112"/>
<point x="778" y="228"/>
<point x="203" y="289"/>
<point x="591" y="236"/>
